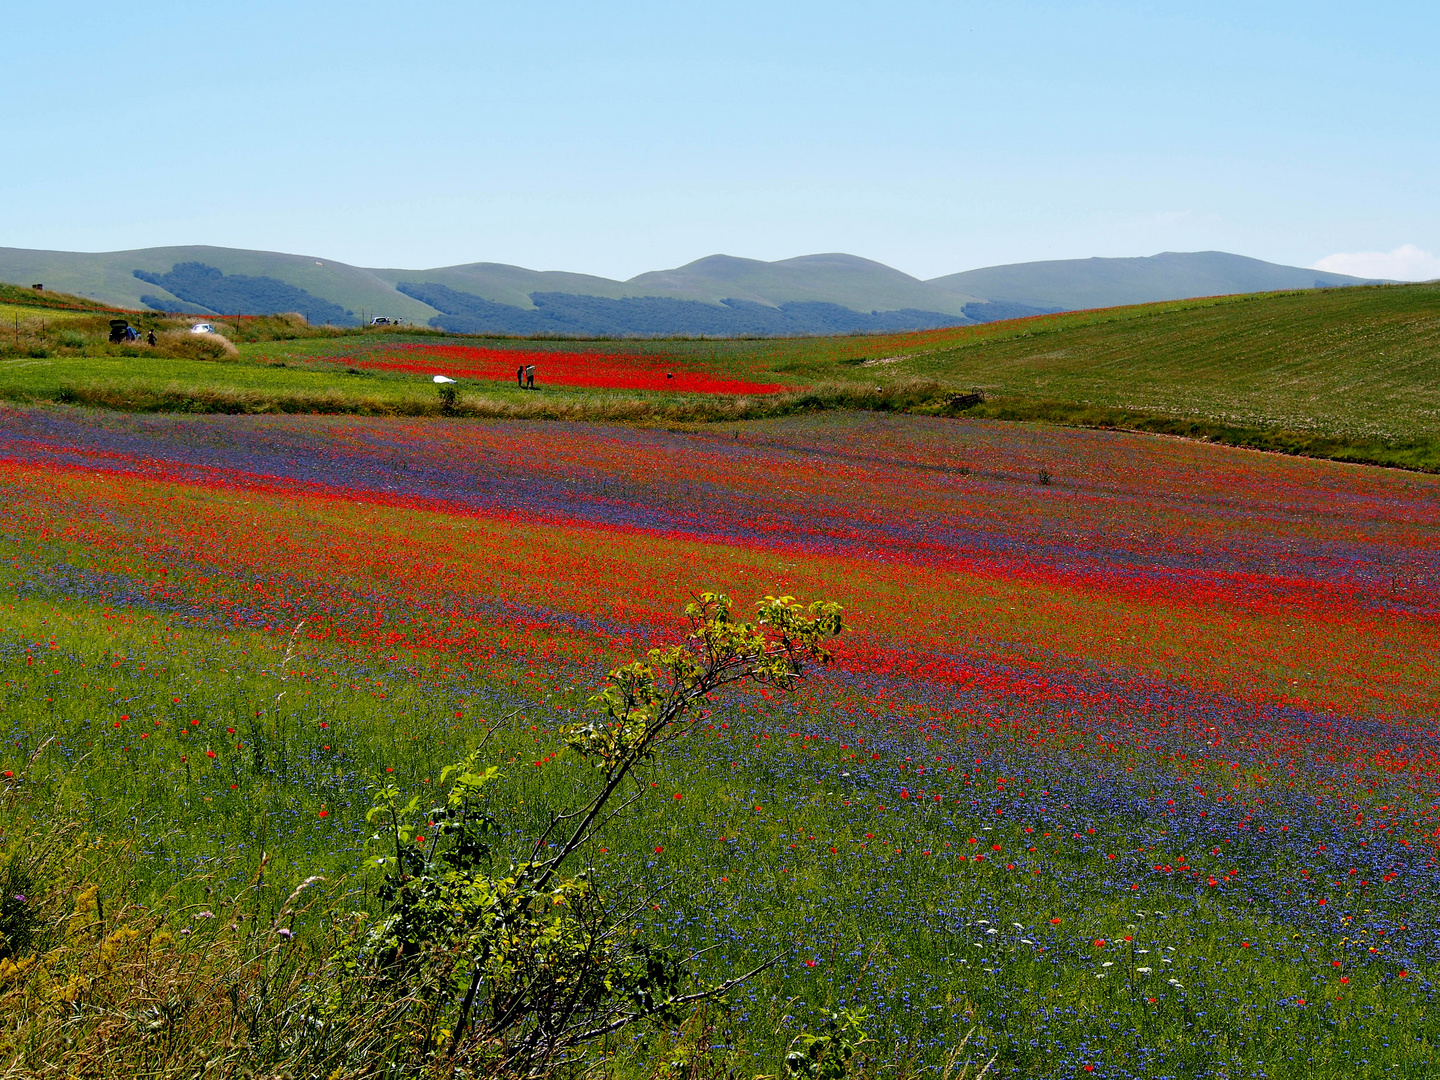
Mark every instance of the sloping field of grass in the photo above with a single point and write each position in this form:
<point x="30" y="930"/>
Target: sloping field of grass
<point x="1341" y="373"/>
<point x="1358" y="362"/>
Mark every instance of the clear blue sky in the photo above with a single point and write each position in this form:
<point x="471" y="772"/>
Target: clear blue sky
<point x="613" y="138"/>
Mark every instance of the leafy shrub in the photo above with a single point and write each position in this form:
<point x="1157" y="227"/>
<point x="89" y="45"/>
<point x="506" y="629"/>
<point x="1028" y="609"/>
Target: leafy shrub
<point x="472" y="967"/>
<point x="831" y="1053"/>
<point x="519" y="967"/>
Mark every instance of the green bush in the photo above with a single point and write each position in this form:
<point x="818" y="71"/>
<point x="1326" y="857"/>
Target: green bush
<point x="473" y="966"/>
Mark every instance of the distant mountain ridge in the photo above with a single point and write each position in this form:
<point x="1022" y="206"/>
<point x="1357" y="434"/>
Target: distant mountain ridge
<point x="1078" y="284"/>
<point x="719" y="295"/>
<point x="567" y="314"/>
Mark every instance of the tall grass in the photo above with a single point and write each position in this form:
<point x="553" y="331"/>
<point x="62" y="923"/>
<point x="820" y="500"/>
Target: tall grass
<point x="868" y="905"/>
<point x="616" y="406"/>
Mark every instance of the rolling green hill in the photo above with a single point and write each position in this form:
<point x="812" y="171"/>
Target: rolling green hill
<point x="835" y="278"/>
<point x="505" y="284"/>
<point x="109" y="277"/>
<point x="1078" y="284"/>
<point x="716" y="296"/>
<point x="1345" y="373"/>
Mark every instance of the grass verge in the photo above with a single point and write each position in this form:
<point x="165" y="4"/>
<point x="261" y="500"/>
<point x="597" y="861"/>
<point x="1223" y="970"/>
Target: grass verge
<point x="1420" y="455"/>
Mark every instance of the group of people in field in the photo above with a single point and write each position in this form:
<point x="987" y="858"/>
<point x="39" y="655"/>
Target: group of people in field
<point x="525" y="377"/>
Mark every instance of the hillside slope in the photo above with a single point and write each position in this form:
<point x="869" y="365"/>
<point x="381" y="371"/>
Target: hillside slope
<point x="496" y="298"/>
<point x="834" y="278"/>
<point x="1079" y="284"/>
<point x="503" y="284"/>
<point x="1357" y="365"/>
<point x="109" y="277"/>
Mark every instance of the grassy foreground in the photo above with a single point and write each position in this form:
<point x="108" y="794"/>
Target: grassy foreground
<point x="1158" y="798"/>
<point x="178" y="936"/>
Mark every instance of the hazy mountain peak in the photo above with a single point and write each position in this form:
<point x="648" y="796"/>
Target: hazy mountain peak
<point x="711" y="268"/>
<point x="1072" y="284"/>
<point x="838" y="260"/>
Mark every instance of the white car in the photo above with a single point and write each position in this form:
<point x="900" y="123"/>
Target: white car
<point x="202" y="328"/>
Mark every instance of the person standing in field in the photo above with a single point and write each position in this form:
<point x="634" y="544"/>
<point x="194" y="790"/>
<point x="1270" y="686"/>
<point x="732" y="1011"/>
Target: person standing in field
<point x="520" y="377"/>
<point x="150" y="337"/>
<point x="529" y="376"/>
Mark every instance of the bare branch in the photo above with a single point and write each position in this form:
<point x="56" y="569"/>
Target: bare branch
<point x="672" y="1003"/>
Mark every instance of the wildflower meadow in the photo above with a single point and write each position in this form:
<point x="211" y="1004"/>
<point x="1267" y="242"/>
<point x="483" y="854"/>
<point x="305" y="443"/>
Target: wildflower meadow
<point x="1125" y="765"/>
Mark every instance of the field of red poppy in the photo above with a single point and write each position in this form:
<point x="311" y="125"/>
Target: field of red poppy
<point x="672" y="370"/>
<point x="1126" y="767"/>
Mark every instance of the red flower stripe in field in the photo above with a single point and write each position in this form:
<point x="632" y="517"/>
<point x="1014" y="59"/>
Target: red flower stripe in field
<point x="609" y="371"/>
<point x="1218" y="578"/>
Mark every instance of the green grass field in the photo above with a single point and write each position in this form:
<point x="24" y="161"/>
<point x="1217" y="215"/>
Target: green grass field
<point x="1014" y="959"/>
<point x="1344" y="373"/>
<point x="1344" y="362"/>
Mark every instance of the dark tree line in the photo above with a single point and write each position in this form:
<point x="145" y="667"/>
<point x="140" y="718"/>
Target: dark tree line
<point x="197" y="283"/>
<point x="658" y="316"/>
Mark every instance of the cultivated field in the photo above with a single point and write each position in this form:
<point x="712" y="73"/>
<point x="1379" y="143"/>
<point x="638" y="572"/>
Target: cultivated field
<point x="1126" y="766"/>
<point x="1334" y="373"/>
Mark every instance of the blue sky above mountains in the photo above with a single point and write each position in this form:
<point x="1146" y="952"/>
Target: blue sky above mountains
<point x="614" y="138"/>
